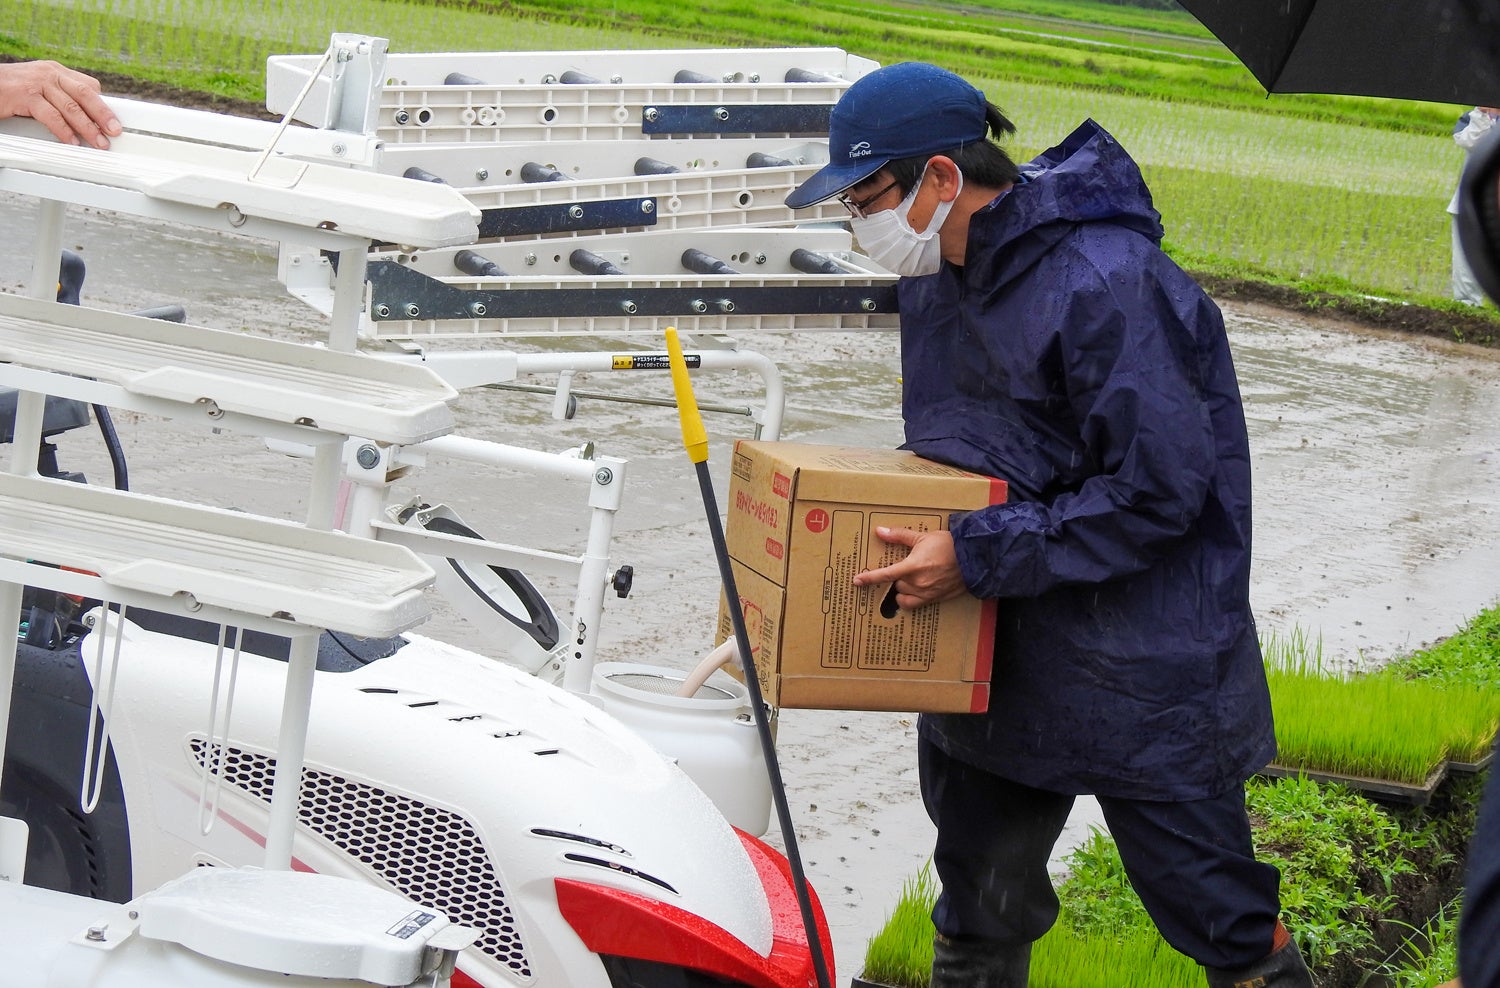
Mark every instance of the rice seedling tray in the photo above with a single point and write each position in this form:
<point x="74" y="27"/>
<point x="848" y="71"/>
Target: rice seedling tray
<point x="1472" y="767"/>
<point x="1382" y="789"/>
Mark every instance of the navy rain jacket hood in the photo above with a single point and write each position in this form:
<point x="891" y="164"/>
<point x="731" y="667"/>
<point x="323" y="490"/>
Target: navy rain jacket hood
<point x="1073" y="359"/>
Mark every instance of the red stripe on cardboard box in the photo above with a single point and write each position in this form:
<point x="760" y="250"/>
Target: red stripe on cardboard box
<point x="984" y="649"/>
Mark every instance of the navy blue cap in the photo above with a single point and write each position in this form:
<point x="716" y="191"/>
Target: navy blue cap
<point x="899" y="111"/>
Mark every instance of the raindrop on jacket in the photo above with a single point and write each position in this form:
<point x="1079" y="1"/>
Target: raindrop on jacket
<point x="1073" y="359"/>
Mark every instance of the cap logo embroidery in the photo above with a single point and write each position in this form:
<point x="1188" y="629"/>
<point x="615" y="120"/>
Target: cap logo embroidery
<point x="859" y="150"/>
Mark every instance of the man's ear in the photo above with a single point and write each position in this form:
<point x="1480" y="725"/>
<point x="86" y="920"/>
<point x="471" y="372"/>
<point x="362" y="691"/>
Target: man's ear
<point x="946" y="175"/>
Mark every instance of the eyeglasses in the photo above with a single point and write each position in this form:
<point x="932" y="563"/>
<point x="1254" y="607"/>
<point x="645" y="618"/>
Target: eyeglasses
<point x="857" y="207"/>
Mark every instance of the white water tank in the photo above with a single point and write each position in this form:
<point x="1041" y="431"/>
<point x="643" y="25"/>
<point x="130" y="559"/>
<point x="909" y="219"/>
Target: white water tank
<point x="711" y="734"/>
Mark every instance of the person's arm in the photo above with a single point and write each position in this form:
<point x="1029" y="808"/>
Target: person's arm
<point x="1478" y="122"/>
<point x="1133" y="385"/>
<point x="1133" y="381"/>
<point x="64" y="101"/>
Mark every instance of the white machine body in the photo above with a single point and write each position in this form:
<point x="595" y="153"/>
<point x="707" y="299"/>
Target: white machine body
<point x="453" y="779"/>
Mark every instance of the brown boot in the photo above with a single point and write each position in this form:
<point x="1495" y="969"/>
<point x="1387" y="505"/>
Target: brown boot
<point x="1283" y="967"/>
<point x="971" y="962"/>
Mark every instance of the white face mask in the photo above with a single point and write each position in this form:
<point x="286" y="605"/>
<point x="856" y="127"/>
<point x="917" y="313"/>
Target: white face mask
<point x="889" y="240"/>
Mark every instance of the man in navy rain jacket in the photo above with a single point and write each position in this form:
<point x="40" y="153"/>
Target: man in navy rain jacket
<point x="1048" y="341"/>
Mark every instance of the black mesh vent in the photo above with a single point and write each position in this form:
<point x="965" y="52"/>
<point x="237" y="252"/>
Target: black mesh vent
<point x="430" y="855"/>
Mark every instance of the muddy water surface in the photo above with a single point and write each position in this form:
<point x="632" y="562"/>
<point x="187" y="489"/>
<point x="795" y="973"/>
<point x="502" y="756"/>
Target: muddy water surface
<point x="1377" y="471"/>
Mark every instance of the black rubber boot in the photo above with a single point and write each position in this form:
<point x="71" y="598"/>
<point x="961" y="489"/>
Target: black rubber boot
<point x="1282" y="968"/>
<point x="969" y="962"/>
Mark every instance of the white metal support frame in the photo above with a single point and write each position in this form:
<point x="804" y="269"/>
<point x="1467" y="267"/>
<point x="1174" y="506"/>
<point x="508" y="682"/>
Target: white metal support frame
<point x="201" y="561"/>
<point x="605" y="476"/>
<point x="471" y="369"/>
<point x="217" y="927"/>
<point x="26" y="435"/>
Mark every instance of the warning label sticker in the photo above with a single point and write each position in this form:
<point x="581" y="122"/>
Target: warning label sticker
<point x="411" y="923"/>
<point x="650" y="361"/>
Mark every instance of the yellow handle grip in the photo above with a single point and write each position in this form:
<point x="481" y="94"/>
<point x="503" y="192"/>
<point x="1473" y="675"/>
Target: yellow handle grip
<point x="694" y="438"/>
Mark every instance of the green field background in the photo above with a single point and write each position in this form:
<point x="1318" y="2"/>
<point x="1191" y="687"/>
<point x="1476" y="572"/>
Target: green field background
<point x="1333" y="192"/>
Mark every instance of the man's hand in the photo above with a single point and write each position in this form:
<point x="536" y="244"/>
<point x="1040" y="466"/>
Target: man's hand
<point x="928" y="575"/>
<point x="64" y="101"/>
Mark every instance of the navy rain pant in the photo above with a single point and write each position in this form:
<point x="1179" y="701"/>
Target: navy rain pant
<point x="1192" y="863"/>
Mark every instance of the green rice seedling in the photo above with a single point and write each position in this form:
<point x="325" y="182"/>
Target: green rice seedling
<point x="1133" y="956"/>
<point x="1380" y="725"/>
<point x="1130" y="21"/>
<point x="1293" y="652"/>
<point x="1341" y="858"/>
<point x="901" y="953"/>
<point x="1136" y="959"/>
<point x="1362" y="727"/>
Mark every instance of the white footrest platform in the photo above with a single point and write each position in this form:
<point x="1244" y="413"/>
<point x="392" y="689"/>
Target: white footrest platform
<point x="300" y="924"/>
<point x="346" y="393"/>
<point x="218" y="558"/>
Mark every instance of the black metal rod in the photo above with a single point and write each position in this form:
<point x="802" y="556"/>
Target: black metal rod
<point x="745" y="411"/>
<point x="807" y="75"/>
<point x="112" y="445"/>
<point x="812" y="262"/>
<point x="587" y="262"/>
<point x="459" y="79"/>
<point x="170" y="312"/>
<point x="535" y="171"/>
<point x="762" y="725"/>
<point x="696" y="260"/>
<point x="423" y="175"/>
<point x="572" y="77"/>
<point x="759" y="159"/>
<point x="654" y="166"/>
<point x="695" y="441"/>
<point x="688" y="76"/>
<point x="474" y="263"/>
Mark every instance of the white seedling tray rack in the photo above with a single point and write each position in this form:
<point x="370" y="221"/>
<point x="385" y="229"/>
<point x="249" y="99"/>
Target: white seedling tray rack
<point x="233" y="380"/>
<point x="715" y="184"/>
<point x="543" y="293"/>
<point x="522" y="96"/>
<point x="472" y="166"/>
<point x="230" y="567"/>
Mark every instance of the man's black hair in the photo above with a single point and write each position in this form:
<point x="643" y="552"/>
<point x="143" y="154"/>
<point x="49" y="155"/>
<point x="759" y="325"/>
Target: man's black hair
<point x="982" y="162"/>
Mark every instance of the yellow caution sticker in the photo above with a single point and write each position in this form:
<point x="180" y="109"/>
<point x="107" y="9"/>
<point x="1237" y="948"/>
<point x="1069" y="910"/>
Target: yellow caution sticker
<point x="650" y="361"/>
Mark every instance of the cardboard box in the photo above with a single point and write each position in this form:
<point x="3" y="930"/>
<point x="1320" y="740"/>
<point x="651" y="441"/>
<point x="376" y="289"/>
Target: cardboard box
<point x="801" y="523"/>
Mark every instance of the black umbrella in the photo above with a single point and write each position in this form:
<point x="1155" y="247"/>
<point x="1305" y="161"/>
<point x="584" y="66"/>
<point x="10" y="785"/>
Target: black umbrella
<point x="1447" y="51"/>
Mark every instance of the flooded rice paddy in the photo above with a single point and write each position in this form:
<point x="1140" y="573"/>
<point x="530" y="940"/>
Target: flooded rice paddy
<point x="1377" y="501"/>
